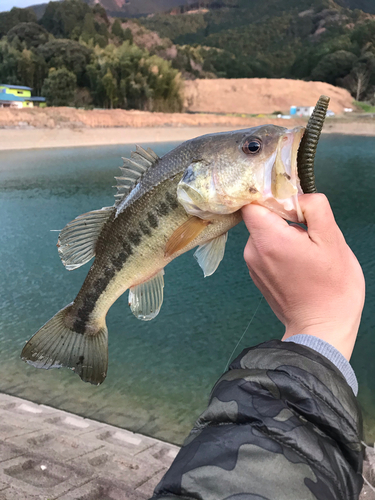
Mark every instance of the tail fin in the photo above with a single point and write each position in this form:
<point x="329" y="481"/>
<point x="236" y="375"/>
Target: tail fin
<point x="55" y="346"/>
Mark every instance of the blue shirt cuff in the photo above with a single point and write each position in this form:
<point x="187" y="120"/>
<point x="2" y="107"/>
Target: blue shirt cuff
<point x="327" y="350"/>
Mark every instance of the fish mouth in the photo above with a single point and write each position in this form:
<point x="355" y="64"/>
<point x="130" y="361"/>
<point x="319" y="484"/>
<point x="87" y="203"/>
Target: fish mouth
<point x="281" y="184"/>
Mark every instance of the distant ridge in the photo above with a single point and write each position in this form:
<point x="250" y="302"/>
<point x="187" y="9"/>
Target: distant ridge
<point x="138" y="8"/>
<point x="365" y="5"/>
<point x="126" y="8"/>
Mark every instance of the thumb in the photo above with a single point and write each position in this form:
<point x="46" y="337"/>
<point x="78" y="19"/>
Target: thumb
<point x="319" y="217"/>
<point x="259" y="219"/>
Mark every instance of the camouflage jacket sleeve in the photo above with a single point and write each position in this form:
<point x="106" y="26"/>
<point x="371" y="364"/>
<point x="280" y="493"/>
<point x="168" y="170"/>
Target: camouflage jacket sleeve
<point x="281" y="424"/>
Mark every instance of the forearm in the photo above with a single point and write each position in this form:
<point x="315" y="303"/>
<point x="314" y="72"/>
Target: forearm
<point x="282" y="423"/>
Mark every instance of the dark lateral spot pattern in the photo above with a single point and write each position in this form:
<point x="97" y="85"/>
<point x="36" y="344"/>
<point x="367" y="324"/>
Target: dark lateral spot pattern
<point x="127" y="248"/>
<point x="145" y="229"/>
<point x="91" y="298"/>
<point x="172" y="201"/>
<point x="109" y="272"/>
<point x="162" y="209"/>
<point x="85" y="310"/>
<point x="135" y="237"/>
<point x="80" y="360"/>
<point x="152" y="220"/>
<point x="119" y="260"/>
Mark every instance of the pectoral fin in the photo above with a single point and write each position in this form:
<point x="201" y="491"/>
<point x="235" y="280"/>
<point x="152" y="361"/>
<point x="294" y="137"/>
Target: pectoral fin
<point x="184" y="235"/>
<point x="145" y="299"/>
<point x="211" y="254"/>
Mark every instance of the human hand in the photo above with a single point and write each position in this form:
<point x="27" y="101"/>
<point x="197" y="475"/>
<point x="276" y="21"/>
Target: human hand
<point x="311" y="279"/>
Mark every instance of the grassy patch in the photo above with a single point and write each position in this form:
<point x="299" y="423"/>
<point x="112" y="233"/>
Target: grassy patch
<point x="367" y="108"/>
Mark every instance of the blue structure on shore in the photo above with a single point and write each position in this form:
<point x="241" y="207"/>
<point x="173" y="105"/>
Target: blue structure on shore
<point x="15" y="96"/>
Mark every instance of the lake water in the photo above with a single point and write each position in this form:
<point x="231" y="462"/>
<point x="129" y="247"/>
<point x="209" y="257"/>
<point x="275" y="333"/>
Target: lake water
<point x="160" y="372"/>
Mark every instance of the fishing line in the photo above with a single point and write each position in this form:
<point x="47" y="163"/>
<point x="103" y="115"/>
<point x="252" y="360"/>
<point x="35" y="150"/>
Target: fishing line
<point x="244" y="333"/>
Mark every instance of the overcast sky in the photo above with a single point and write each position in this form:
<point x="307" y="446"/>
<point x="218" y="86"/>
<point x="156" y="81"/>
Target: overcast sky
<point x="8" y="4"/>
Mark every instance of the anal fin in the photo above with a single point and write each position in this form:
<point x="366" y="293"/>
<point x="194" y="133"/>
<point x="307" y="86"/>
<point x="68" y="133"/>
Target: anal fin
<point x="184" y="234"/>
<point x="211" y="254"/>
<point x="145" y="299"/>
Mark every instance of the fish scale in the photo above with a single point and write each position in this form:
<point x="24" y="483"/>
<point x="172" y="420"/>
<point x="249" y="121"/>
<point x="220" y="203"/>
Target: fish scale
<point x="164" y="207"/>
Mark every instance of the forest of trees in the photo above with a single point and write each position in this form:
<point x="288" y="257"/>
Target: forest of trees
<point x="299" y="39"/>
<point x="74" y="55"/>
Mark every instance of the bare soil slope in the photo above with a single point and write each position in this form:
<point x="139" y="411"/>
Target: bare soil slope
<point x="260" y="95"/>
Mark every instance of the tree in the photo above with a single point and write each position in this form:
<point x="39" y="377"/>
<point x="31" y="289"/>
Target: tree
<point x="21" y="67"/>
<point x="358" y="81"/>
<point x="59" y="87"/>
<point x="334" y="66"/>
<point x="68" y="54"/>
<point x="30" y="34"/>
<point x="110" y="87"/>
<point x="128" y="35"/>
<point x="9" y="19"/>
<point x="128" y="77"/>
<point x="88" y="28"/>
<point x="117" y="29"/>
<point x="63" y="18"/>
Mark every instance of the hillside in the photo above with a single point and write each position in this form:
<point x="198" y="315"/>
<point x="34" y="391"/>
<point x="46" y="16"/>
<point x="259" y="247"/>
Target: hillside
<point x="302" y="39"/>
<point x="260" y="96"/>
<point x="134" y="8"/>
<point x="76" y="54"/>
<point x="365" y="5"/>
<point x="126" y="8"/>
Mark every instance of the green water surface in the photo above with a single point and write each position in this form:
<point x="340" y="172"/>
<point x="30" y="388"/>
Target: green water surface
<point x="160" y="372"/>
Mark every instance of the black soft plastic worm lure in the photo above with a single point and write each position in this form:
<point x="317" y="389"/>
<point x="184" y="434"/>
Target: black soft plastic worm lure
<point x="309" y="143"/>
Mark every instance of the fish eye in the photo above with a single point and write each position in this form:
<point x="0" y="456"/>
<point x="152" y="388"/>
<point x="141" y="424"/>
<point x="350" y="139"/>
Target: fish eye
<point x="252" y="146"/>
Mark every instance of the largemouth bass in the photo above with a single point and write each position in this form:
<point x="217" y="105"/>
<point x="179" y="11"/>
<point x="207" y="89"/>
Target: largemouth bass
<point x="164" y="207"/>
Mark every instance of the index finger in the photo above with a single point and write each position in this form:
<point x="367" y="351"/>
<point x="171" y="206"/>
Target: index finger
<point x="259" y="219"/>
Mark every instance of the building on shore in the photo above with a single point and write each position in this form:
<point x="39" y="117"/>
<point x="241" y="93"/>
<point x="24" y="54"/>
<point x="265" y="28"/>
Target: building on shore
<point x="15" y="96"/>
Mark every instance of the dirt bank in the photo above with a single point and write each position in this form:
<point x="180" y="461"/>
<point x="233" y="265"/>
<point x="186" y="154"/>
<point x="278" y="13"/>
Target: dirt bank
<point x="32" y="138"/>
<point x="260" y="95"/>
<point x="78" y="118"/>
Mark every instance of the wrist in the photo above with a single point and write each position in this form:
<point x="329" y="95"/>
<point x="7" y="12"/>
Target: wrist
<point x="341" y="335"/>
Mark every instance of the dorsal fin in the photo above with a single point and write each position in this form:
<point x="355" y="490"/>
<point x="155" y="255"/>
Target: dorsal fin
<point x="77" y="241"/>
<point x="133" y="170"/>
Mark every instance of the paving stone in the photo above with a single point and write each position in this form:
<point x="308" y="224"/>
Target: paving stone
<point x="50" y="454"/>
<point x="75" y="425"/>
<point x="119" y="465"/>
<point x="164" y="453"/>
<point x="147" y="488"/>
<point x="24" y="407"/>
<point x="12" y="426"/>
<point x="63" y="445"/>
<point x="123" y="439"/>
<point x="41" y="476"/>
<point x="367" y="493"/>
<point x="3" y="486"/>
<point x="9" y="451"/>
<point x="103" y="490"/>
<point x="13" y="494"/>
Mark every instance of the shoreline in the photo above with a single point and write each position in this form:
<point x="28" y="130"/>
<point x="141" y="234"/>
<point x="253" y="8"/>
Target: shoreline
<point x="43" y="138"/>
